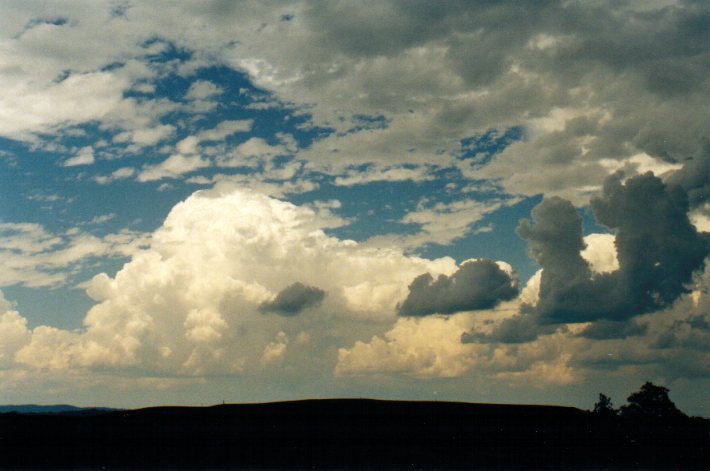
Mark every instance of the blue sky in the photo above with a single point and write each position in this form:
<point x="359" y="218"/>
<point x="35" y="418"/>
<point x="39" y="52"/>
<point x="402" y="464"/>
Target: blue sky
<point x="168" y="170"/>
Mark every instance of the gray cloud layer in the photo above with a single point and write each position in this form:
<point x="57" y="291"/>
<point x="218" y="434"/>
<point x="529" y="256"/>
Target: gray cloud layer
<point x="518" y="329"/>
<point x="618" y="78"/>
<point x="602" y="330"/>
<point x="293" y="299"/>
<point x="480" y="284"/>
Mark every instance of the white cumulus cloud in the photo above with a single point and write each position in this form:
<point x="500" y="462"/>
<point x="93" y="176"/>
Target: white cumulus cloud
<point x="84" y="157"/>
<point x="190" y="303"/>
<point x="172" y="167"/>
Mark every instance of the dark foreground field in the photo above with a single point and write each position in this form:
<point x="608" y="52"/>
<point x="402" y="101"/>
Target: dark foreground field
<point x="325" y="434"/>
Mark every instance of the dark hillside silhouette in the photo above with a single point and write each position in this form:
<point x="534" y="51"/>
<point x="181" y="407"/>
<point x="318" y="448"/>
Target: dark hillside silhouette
<point x="59" y="409"/>
<point x="348" y="433"/>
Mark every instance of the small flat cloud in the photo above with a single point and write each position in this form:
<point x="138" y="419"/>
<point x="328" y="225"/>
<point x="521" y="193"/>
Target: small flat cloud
<point x="250" y="151"/>
<point x="84" y="157"/>
<point x="172" y="167"/>
<point x="145" y="136"/>
<point x="202" y="90"/>
<point x="118" y="174"/>
<point x="293" y="299"/>
<point x="386" y="174"/>
<point x="477" y="285"/>
<point x="188" y="145"/>
<point x="226" y="128"/>
<point x="102" y="218"/>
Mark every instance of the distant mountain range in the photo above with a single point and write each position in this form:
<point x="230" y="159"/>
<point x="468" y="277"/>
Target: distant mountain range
<point x="348" y="434"/>
<point x="55" y="409"/>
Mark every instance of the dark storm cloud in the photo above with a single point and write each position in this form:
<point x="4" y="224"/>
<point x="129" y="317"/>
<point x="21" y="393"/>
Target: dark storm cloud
<point x="294" y="299"/>
<point x="555" y="241"/>
<point x="476" y="285"/>
<point x="657" y="247"/>
<point x="694" y="177"/>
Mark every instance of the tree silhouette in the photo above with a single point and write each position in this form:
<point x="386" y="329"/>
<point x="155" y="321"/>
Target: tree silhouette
<point x="604" y="407"/>
<point x="651" y="401"/>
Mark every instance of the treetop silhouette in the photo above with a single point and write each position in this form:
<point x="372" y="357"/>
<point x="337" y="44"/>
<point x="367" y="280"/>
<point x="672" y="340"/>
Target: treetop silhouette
<point x="651" y="401"/>
<point x="604" y="406"/>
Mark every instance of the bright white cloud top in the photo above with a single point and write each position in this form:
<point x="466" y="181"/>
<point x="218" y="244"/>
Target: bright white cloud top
<point x="235" y="200"/>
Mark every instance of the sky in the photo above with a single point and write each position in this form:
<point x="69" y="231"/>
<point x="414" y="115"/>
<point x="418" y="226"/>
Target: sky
<point x="255" y="201"/>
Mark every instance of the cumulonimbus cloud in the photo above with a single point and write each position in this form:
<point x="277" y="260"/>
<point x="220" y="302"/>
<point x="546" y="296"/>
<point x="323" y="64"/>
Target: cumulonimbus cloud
<point x="190" y="302"/>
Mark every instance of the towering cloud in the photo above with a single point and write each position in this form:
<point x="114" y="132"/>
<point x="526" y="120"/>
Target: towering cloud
<point x="13" y="332"/>
<point x="193" y="302"/>
<point x="555" y="242"/>
<point x="479" y="284"/>
<point x="657" y="247"/>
